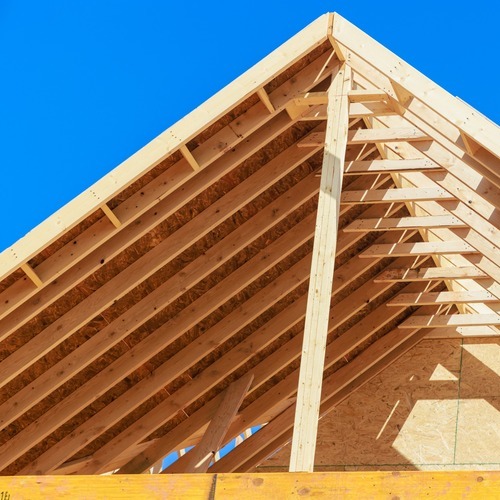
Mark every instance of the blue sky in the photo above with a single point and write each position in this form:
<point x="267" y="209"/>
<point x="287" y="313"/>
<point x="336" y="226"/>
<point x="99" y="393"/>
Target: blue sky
<point x="88" y="82"/>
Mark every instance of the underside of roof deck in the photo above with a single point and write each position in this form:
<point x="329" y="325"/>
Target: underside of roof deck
<point x="127" y="317"/>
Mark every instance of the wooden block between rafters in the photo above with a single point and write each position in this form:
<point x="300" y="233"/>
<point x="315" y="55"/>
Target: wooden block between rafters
<point x="111" y="216"/>
<point x="264" y="97"/>
<point x="189" y="157"/>
<point x="32" y="275"/>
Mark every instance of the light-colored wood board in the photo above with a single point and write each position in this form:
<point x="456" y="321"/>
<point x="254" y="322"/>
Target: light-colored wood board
<point x="322" y="269"/>
<point x="387" y="166"/>
<point x="402" y="223"/>
<point x="430" y="298"/>
<point x="431" y="273"/>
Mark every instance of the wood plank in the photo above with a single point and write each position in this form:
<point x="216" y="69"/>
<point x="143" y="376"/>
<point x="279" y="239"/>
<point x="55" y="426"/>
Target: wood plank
<point x="189" y="157"/>
<point x="447" y="320"/>
<point x="362" y="95"/>
<point x="264" y="97"/>
<point x="203" y="453"/>
<point x="322" y="268"/>
<point x="32" y="275"/>
<point x="111" y="215"/>
<point x="311" y="98"/>
<point x="430" y="298"/>
<point x="418" y="248"/>
<point x="390" y="166"/>
<point x="363" y="136"/>
<point x="401" y="223"/>
<point x="431" y="273"/>
<point x="356" y="110"/>
<point x="361" y="485"/>
<point x="395" y="195"/>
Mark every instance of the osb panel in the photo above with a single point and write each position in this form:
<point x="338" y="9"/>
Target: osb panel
<point x="410" y="416"/>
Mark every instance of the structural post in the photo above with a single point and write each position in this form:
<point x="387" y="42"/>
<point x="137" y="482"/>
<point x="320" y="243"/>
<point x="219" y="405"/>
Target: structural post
<point x="320" y="283"/>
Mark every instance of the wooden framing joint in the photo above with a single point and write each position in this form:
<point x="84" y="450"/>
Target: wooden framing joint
<point x="188" y="156"/>
<point x="111" y="215"/>
<point x="30" y="272"/>
<point x="264" y="97"/>
<point x="471" y="146"/>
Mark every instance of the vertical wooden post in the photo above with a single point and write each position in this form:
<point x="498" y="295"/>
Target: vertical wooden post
<point x="320" y="283"/>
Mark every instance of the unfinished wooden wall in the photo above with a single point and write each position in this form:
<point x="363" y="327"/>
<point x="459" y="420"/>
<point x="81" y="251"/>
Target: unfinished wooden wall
<point x="436" y="408"/>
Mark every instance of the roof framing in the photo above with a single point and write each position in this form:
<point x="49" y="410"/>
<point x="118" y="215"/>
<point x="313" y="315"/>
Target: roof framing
<point x="181" y="277"/>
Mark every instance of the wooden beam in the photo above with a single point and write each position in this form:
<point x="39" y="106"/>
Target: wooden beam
<point x="111" y="215"/>
<point x="395" y="195"/>
<point x="264" y="97"/>
<point x="431" y="273"/>
<point x="406" y="484"/>
<point x="322" y="267"/>
<point x="369" y="135"/>
<point x="203" y="453"/>
<point x="367" y="95"/>
<point x="32" y="275"/>
<point x="402" y="223"/>
<point x="189" y="157"/>
<point x="390" y="166"/>
<point x="418" y="299"/>
<point x="447" y="320"/>
<point x="311" y="98"/>
<point x="418" y="248"/>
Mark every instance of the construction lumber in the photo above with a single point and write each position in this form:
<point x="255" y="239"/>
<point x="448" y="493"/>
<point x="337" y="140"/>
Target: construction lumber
<point x="402" y="223"/>
<point x="202" y="454"/>
<point x="362" y="136"/>
<point x="111" y="215"/>
<point x="322" y="269"/>
<point x="417" y="299"/>
<point x="431" y="273"/>
<point x="361" y="485"/>
<point x="264" y="97"/>
<point x="390" y="166"/>
<point x="32" y="275"/>
<point x="419" y="248"/>
<point x="395" y="195"/>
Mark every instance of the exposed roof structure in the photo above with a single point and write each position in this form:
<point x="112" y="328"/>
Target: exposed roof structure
<point x="180" y="280"/>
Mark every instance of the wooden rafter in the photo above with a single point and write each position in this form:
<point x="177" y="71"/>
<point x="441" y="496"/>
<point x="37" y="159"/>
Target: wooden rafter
<point x="322" y="267"/>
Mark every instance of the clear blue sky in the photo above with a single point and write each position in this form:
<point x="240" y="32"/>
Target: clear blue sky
<point x="85" y="83"/>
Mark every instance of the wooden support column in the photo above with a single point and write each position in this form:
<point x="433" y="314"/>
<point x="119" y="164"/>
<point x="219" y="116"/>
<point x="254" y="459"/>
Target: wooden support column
<point x="199" y="458"/>
<point x="320" y="283"/>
